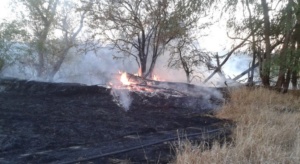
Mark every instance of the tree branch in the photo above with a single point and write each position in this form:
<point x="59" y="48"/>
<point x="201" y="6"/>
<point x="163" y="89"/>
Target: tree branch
<point x="227" y="57"/>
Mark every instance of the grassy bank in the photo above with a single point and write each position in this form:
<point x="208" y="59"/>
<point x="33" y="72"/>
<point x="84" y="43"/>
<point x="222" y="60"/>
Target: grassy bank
<point x="268" y="131"/>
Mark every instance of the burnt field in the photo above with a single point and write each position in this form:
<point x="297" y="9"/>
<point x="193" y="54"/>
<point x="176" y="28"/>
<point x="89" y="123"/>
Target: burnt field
<point x="67" y="123"/>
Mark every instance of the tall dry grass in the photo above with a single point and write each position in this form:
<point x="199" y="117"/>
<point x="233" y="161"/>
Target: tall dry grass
<point x="267" y="131"/>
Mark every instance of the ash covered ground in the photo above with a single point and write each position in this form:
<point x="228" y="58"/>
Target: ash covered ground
<point x="66" y="123"/>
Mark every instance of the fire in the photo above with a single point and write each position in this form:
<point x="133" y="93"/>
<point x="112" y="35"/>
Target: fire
<point x="155" y="78"/>
<point x="140" y="72"/>
<point x="124" y="79"/>
<point x="133" y="82"/>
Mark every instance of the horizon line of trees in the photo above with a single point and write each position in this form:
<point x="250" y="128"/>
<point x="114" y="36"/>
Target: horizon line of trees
<point x="147" y="29"/>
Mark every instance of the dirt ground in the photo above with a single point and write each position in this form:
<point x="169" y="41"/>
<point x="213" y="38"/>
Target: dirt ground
<point x="67" y="123"/>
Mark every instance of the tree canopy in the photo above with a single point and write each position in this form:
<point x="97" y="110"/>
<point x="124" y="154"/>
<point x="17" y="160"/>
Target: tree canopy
<point x="269" y="31"/>
<point x="52" y="28"/>
<point x="144" y="28"/>
<point x="274" y="40"/>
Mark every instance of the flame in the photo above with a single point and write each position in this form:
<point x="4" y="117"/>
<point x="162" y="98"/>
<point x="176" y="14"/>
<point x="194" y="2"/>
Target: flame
<point x="155" y="78"/>
<point x="132" y="85"/>
<point x="124" y="79"/>
<point x="140" y="72"/>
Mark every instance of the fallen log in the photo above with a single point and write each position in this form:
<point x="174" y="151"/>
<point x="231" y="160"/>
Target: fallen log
<point x="185" y="88"/>
<point x="160" y="94"/>
<point x="245" y="72"/>
<point x="145" y="94"/>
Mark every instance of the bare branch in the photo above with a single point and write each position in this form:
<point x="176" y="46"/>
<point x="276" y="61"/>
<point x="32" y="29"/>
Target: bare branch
<point x="227" y="57"/>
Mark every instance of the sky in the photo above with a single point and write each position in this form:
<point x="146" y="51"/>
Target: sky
<point x="4" y="11"/>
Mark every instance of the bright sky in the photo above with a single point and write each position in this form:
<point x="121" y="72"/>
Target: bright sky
<point x="4" y="10"/>
<point x="216" y="41"/>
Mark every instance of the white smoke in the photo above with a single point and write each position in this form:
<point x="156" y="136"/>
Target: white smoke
<point x="122" y="98"/>
<point x="101" y="67"/>
<point x="96" y="68"/>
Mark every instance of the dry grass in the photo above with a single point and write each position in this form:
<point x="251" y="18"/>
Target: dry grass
<point x="268" y="131"/>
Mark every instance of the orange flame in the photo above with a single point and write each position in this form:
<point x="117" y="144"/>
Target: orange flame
<point x="124" y="79"/>
<point x="130" y="83"/>
<point x="140" y="72"/>
<point x="155" y="78"/>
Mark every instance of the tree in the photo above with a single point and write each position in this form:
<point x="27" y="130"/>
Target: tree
<point x="296" y="46"/>
<point x="227" y="56"/>
<point x="12" y="38"/>
<point x="241" y="33"/>
<point x="55" y="26"/>
<point x="41" y="14"/>
<point x="273" y="40"/>
<point x="253" y="46"/>
<point x="70" y="27"/>
<point x="266" y="60"/>
<point x="144" y="28"/>
<point x="283" y="54"/>
<point x="186" y="55"/>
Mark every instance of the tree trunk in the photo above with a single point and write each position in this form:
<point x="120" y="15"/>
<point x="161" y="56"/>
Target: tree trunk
<point x="40" y="65"/>
<point x="287" y="81"/>
<point x="58" y="64"/>
<point x="143" y="68"/>
<point x="151" y="68"/>
<point x="252" y="68"/>
<point x="283" y="70"/>
<point x="246" y="71"/>
<point x="296" y="38"/>
<point x="47" y="21"/>
<point x="253" y="46"/>
<point x="41" y="48"/>
<point x="294" y="80"/>
<point x="184" y="66"/>
<point x="142" y="54"/>
<point x="188" y="78"/>
<point x="266" y="61"/>
<point x="69" y="41"/>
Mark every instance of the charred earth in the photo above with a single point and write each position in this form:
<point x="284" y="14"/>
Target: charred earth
<point x="44" y="122"/>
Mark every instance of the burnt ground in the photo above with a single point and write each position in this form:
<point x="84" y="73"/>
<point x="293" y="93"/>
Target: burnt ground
<point x="67" y="123"/>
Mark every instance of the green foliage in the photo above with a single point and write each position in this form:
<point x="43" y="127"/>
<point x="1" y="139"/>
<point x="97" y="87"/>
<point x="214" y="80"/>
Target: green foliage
<point x="1" y="64"/>
<point x="12" y="39"/>
<point x="53" y="26"/>
<point x="275" y="39"/>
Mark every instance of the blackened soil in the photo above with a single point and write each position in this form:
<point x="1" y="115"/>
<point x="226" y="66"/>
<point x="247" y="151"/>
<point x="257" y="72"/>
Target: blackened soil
<point x="65" y="123"/>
